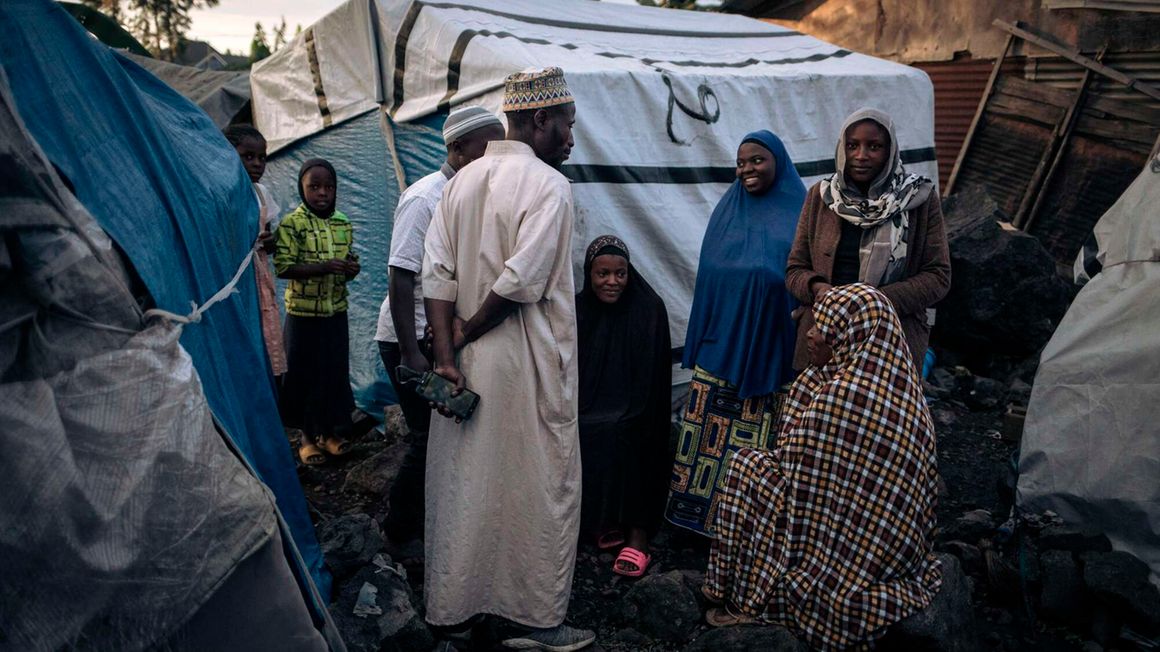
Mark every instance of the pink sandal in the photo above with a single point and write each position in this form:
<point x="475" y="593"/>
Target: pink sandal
<point x="634" y="557"/>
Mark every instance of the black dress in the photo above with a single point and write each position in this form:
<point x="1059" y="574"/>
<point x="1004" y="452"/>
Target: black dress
<point x="625" y="370"/>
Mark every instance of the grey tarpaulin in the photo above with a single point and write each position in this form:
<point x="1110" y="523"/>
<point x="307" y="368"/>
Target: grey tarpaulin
<point x="122" y="508"/>
<point x="1091" y="446"/>
<point x="220" y="93"/>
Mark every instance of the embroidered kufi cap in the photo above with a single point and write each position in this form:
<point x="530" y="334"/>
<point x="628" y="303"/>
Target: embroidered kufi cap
<point x="466" y="120"/>
<point x="535" y="90"/>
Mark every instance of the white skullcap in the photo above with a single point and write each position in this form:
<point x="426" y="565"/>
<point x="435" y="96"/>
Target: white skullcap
<point x="466" y="120"/>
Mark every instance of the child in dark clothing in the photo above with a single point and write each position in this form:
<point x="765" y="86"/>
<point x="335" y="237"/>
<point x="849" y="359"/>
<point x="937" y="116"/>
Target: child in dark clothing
<point x="314" y="253"/>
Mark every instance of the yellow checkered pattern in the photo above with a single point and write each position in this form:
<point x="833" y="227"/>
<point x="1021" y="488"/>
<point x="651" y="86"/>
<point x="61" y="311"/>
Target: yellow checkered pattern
<point x="829" y="533"/>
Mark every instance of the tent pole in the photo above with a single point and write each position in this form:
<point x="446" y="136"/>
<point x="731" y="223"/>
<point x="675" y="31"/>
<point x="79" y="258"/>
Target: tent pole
<point x="389" y="137"/>
<point x="1060" y="138"/>
<point x="990" y="88"/>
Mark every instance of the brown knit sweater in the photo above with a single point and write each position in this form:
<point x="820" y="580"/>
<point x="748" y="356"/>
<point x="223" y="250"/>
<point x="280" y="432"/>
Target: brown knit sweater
<point x="928" y="269"/>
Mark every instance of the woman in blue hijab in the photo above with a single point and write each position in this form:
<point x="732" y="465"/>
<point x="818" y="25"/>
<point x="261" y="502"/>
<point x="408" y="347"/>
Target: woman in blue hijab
<point x="740" y="339"/>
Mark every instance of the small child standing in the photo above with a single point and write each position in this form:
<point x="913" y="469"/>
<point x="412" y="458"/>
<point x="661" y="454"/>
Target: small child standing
<point x="251" y="147"/>
<point x="313" y="252"/>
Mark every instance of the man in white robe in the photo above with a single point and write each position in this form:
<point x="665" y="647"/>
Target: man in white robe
<point x="503" y="488"/>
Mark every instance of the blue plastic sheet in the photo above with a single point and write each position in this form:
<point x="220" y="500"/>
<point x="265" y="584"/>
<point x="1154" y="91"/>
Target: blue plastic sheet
<point x="162" y="181"/>
<point x="368" y="190"/>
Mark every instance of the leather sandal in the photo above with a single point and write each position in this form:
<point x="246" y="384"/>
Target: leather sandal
<point x="724" y="617"/>
<point x="336" y="446"/>
<point x="310" y="455"/>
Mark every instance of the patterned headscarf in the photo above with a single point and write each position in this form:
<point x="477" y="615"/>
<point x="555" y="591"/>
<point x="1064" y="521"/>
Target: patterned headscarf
<point x="890" y="196"/>
<point x="862" y="329"/>
<point x="830" y="532"/>
<point x="613" y="244"/>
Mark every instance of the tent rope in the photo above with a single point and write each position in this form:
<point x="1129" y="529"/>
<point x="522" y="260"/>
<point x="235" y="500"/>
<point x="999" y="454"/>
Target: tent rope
<point x="195" y="316"/>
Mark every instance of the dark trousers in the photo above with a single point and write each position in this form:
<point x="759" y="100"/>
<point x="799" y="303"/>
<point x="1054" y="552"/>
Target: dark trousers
<point x="405" y="502"/>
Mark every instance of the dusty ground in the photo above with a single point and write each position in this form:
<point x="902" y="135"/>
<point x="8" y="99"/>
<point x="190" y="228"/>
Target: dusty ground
<point x="972" y="460"/>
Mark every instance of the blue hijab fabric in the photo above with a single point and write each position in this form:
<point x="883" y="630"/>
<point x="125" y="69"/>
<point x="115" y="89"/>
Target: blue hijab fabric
<point x="740" y="328"/>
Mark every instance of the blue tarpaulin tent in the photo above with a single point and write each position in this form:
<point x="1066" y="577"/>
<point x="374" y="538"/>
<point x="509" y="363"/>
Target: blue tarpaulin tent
<point x="162" y="181"/>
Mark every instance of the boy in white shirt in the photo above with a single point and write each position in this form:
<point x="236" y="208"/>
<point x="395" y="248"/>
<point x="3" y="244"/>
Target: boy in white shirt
<point x="402" y="321"/>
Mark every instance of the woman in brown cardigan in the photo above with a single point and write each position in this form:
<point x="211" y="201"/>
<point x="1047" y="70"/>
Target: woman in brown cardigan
<point x="874" y="223"/>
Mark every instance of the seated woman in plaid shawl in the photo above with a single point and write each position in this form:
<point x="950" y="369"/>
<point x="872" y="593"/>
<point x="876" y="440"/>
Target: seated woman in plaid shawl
<point x="829" y="533"/>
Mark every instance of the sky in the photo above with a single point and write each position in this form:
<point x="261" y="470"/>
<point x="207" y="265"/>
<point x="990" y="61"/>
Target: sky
<point x="230" y="25"/>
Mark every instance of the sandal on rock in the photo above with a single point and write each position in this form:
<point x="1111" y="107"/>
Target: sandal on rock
<point x="610" y="539"/>
<point x="336" y="446"/>
<point x="310" y="455"/>
<point x="634" y="557"/>
<point x="723" y="617"/>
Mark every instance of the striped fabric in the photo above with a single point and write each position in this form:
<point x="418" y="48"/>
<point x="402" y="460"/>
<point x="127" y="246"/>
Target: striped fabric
<point x="829" y="533"/>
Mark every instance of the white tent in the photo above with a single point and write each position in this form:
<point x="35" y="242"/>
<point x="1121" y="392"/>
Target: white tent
<point x="1091" y="445"/>
<point x="663" y="99"/>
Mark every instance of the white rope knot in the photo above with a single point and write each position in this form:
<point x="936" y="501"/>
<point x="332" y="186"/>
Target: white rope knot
<point x="197" y="311"/>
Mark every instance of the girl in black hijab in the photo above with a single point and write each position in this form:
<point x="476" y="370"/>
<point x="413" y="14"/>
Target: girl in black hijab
<point x="625" y="396"/>
<point x="314" y="252"/>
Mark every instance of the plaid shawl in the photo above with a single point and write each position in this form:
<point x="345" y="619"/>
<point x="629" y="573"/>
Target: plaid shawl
<point x="829" y="533"/>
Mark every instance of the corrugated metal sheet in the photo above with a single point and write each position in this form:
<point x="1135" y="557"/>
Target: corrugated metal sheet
<point x="1003" y="157"/>
<point x="958" y="87"/>
<point x="1094" y="176"/>
<point x="1060" y="72"/>
<point x="1112" y="136"/>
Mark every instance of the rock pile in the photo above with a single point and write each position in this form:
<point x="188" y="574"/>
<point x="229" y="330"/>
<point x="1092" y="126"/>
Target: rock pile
<point x="1068" y="577"/>
<point x="666" y="608"/>
<point x="1006" y="297"/>
<point x="373" y="605"/>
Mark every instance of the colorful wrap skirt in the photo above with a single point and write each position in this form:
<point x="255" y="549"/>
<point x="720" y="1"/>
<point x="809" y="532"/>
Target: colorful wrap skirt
<point x="717" y="423"/>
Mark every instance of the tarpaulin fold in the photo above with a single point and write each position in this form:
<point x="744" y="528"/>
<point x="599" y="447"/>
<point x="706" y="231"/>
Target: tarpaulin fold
<point x="158" y="176"/>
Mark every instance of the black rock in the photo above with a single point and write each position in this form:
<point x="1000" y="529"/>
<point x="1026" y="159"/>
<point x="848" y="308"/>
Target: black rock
<point x="349" y="543"/>
<point x="631" y="639"/>
<point x="377" y="473"/>
<point x="1019" y="392"/>
<point x="1061" y="597"/>
<point x="662" y="607"/>
<point x="970" y="527"/>
<point x="398" y="628"/>
<point x="1121" y="581"/>
<point x="998" y="616"/>
<point x="986" y="394"/>
<point x="1062" y="537"/>
<point x="933" y="391"/>
<point x="750" y="638"/>
<point x="948" y="622"/>
<point x="944" y="418"/>
<point x="1005" y="296"/>
<point x="943" y="379"/>
<point x="1106" y="624"/>
<point x="394" y="425"/>
<point x="968" y="555"/>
